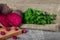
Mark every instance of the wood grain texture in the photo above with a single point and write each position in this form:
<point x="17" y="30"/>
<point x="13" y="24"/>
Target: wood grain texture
<point x="50" y="27"/>
<point x="9" y="33"/>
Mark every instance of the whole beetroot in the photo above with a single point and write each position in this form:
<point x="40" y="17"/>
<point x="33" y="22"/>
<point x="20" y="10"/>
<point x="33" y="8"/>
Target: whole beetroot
<point x="5" y="9"/>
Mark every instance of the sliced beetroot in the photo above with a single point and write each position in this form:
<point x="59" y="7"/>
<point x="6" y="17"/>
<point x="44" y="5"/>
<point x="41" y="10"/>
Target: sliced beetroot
<point x="24" y="31"/>
<point x="8" y="28"/>
<point x="3" y="21"/>
<point x="14" y="19"/>
<point x="3" y="33"/>
<point x="14" y="37"/>
<point x="16" y="28"/>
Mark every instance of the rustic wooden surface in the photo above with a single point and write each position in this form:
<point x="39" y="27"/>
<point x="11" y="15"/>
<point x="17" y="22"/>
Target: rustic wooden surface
<point x="50" y="27"/>
<point x="9" y="33"/>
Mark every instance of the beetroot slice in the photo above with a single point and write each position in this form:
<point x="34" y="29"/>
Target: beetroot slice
<point x="3" y="21"/>
<point x="3" y="33"/>
<point x="16" y="28"/>
<point x="24" y="31"/>
<point x="14" y="37"/>
<point x="8" y="28"/>
<point x="14" y="19"/>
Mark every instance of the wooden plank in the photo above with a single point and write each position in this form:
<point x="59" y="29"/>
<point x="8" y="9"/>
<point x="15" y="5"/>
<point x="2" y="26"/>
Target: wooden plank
<point x="9" y="33"/>
<point x="48" y="27"/>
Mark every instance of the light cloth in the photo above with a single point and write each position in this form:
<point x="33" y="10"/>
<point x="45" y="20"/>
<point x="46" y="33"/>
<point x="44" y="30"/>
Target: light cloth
<point x="39" y="35"/>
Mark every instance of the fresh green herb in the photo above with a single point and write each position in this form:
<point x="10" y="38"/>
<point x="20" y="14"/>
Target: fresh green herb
<point x="33" y="16"/>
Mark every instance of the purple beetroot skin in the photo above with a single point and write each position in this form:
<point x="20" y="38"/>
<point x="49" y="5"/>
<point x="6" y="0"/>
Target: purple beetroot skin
<point x="4" y="22"/>
<point x="14" y="19"/>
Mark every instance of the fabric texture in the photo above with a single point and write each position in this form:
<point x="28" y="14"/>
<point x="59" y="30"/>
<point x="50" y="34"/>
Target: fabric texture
<point x="38" y="35"/>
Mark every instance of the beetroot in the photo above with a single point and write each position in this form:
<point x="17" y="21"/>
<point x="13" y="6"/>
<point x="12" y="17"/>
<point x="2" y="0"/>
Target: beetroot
<point x="16" y="28"/>
<point x="24" y="31"/>
<point x="18" y="12"/>
<point x="5" y="9"/>
<point x="3" y="33"/>
<point x="3" y="21"/>
<point x="10" y="17"/>
<point x="14" y="37"/>
<point x="14" y="19"/>
<point x="8" y="28"/>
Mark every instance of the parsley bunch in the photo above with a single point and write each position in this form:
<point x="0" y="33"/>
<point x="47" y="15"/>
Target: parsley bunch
<point x="34" y="16"/>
